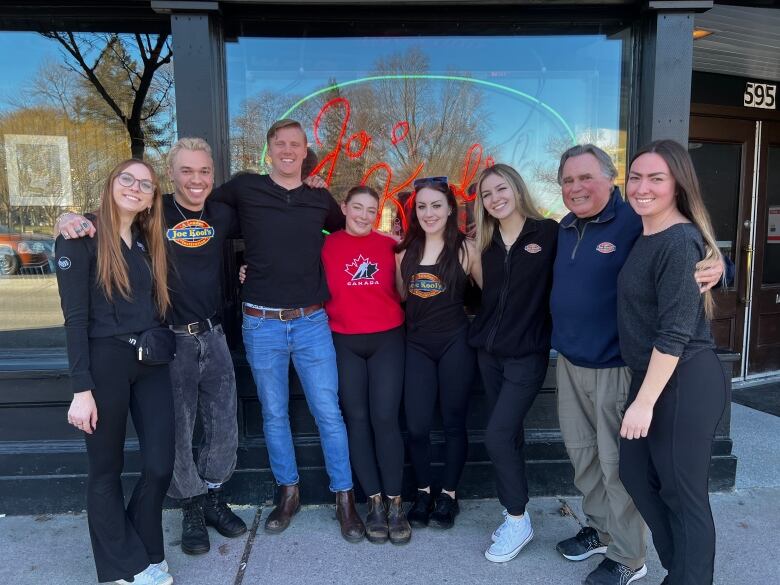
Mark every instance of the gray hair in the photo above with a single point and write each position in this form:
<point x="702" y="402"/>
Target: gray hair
<point x="605" y="161"/>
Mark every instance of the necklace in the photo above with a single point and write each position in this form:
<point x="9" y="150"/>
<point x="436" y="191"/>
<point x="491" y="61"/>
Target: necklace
<point x="182" y="213"/>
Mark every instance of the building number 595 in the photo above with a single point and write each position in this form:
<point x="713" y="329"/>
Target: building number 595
<point x="760" y="95"/>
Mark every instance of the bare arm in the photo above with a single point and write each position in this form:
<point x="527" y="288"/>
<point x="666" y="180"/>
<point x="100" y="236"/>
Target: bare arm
<point x="474" y="267"/>
<point x="399" y="280"/>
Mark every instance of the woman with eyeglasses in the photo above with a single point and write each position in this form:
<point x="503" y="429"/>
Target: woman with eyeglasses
<point x="435" y="261"/>
<point x="366" y="319"/>
<point x="512" y="334"/>
<point x="112" y="288"/>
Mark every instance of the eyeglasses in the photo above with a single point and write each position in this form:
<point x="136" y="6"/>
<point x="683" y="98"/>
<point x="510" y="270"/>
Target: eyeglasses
<point x="128" y="180"/>
<point x="419" y="183"/>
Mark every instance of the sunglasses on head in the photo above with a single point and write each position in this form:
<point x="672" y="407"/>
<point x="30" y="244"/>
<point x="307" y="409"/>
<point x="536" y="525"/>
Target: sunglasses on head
<point x="419" y="183"/>
<point x="128" y="180"/>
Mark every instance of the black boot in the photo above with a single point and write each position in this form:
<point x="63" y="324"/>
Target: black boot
<point x="194" y="536"/>
<point x="219" y="515"/>
<point x="445" y="510"/>
<point x="420" y="512"/>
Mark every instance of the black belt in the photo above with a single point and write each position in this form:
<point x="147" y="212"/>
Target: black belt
<point x="282" y="314"/>
<point x="197" y="327"/>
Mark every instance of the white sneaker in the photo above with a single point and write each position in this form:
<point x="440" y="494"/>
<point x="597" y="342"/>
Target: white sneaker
<point x="161" y="568"/>
<point x="497" y="532"/>
<point x="514" y="535"/>
<point x="149" y="576"/>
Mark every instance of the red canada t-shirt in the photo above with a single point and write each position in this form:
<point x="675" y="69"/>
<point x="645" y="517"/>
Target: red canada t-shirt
<point x="361" y="278"/>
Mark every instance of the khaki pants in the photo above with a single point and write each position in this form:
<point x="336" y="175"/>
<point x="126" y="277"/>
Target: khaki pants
<point x="590" y="410"/>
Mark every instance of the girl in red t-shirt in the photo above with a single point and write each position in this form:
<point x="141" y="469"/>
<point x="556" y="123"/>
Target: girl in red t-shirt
<point x="367" y="322"/>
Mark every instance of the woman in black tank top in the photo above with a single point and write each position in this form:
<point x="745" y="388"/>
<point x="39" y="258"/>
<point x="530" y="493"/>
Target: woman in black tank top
<point x="434" y="262"/>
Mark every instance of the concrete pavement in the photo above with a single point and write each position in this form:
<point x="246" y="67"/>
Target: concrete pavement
<point x="55" y="550"/>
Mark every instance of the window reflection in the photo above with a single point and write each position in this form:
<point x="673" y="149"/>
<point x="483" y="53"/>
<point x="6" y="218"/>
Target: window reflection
<point x="71" y="107"/>
<point x="387" y="110"/>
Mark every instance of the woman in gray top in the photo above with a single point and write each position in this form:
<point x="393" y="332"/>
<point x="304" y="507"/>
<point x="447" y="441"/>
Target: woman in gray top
<point x="678" y="391"/>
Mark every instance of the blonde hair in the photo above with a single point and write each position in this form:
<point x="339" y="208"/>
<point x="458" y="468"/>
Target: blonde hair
<point x="112" y="271"/>
<point x="187" y="143"/>
<point x="485" y="223"/>
<point x="688" y="200"/>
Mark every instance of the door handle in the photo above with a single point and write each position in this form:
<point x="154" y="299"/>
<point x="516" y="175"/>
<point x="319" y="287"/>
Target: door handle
<point x="745" y="299"/>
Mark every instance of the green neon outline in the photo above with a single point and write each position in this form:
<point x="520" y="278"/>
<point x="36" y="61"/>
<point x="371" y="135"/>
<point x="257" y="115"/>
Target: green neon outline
<point x="490" y="84"/>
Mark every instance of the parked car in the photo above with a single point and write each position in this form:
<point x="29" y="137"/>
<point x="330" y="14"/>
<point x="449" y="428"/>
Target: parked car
<point x="23" y="253"/>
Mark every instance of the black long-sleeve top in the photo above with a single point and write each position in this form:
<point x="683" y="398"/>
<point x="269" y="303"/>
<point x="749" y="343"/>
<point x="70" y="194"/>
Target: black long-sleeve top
<point x="514" y="319"/>
<point x="659" y="302"/>
<point x="283" y="233"/>
<point x="88" y="313"/>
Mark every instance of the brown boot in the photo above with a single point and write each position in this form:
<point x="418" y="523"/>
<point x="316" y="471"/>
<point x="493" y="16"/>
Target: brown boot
<point x="376" y="520"/>
<point x="289" y="504"/>
<point x="352" y="528"/>
<point x="398" y="527"/>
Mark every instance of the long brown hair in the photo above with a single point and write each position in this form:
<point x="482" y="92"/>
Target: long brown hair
<point x="688" y="200"/>
<point x="112" y="268"/>
<point x="523" y="203"/>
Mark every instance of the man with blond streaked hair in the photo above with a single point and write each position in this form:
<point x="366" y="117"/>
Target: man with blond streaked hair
<point x="203" y="380"/>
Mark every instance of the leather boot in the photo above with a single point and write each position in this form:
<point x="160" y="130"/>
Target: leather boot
<point x="289" y="504"/>
<point x="376" y="520"/>
<point x="352" y="528"/>
<point x="398" y="527"/>
<point x="219" y="515"/>
<point x="194" y="536"/>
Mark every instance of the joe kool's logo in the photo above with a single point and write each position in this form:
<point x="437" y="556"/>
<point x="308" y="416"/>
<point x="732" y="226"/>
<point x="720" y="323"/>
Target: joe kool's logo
<point x="191" y="233"/>
<point x="606" y="247"/>
<point x="425" y="284"/>
<point x="361" y="272"/>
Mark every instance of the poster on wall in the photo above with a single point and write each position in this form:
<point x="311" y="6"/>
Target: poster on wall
<point x="38" y="170"/>
<point x="773" y="226"/>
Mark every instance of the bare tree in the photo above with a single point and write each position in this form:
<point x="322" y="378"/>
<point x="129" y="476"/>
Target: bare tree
<point x="130" y="91"/>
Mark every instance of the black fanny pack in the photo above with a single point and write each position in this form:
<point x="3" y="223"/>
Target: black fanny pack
<point x="154" y="347"/>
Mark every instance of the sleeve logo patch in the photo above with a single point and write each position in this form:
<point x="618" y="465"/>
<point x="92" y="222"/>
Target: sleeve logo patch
<point x="191" y="233"/>
<point x="63" y="263"/>
<point x="606" y="247"/>
<point x="533" y="248"/>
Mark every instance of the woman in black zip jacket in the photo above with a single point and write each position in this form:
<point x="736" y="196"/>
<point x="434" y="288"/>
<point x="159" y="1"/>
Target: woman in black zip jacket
<point x="112" y="288"/>
<point x="435" y="261"/>
<point x="512" y="334"/>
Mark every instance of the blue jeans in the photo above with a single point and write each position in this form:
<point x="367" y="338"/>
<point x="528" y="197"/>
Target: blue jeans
<point x="270" y="344"/>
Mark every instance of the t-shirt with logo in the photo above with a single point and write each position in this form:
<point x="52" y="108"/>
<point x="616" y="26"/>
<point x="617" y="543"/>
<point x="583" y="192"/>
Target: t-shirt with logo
<point x="195" y="242"/>
<point x="360" y="271"/>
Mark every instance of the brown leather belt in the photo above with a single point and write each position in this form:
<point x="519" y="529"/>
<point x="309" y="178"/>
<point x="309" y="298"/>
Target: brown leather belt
<point x="281" y="314"/>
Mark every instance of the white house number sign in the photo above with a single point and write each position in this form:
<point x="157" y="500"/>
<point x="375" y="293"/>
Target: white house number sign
<point x="760" y="95"/>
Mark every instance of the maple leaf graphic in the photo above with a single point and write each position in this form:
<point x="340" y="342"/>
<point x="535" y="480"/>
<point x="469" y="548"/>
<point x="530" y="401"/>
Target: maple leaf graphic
<point x="362" y="269"/>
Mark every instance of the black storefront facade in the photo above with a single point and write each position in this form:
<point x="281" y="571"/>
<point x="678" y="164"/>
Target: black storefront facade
<point x="615" y="72"/>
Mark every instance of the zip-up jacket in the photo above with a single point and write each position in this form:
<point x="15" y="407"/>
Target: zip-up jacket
<point x="584" y="293"/>
<point x="88" y="313"/>
<point x="514" y="318"/>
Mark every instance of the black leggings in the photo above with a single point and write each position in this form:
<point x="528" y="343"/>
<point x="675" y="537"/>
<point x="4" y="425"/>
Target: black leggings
<point x="126" y="541"/>
<point x="511" y="385"/>
<point x="443" y="367"/>
<point x="371" y="370"/>
<point x="666" y="473"/>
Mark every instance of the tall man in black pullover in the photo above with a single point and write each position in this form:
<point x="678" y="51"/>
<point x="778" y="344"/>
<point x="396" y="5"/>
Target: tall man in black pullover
<point x="283" y="317"/>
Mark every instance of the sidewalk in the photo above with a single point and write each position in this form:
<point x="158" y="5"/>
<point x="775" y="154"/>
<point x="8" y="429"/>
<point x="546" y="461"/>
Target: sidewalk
<point x="55" y="549"/>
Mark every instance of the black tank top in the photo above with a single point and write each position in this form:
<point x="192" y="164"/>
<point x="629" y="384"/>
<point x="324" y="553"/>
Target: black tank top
<point x="431" y="308"/>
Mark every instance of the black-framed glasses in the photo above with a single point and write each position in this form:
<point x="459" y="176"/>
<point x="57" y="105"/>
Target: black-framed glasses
<point x="419" y="183"/>
<point x="128" y="180"/>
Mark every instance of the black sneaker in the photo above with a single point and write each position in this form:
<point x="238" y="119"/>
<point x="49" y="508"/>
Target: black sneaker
<point x="610" y="572"/>
<point x="218" y="514"/>
<point x="584" y="545"/>
<point x="444" y="511"/>
<point x="194" y="536"/>
<point x="420" y="512"/>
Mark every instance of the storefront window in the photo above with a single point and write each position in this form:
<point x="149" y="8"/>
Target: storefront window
<point x="386" y="110"/>
<point x="67" y="117"/>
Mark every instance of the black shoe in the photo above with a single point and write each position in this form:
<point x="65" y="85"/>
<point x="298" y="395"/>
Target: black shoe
<point x="218" y="514"/>
<point x="444" y="511"/>
<point x="420" y="512"/>
<point x="194" y="536"/>
<point x="582" y="546"/>
<point x="610" y="572"/>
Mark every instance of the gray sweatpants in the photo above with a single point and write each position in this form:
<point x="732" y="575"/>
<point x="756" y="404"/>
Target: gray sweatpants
<point x="204" y="388"/>
<point x="590" y="409"/>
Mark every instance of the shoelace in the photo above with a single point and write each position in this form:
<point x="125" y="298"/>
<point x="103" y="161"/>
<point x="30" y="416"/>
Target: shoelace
<point x="192" y="519"/>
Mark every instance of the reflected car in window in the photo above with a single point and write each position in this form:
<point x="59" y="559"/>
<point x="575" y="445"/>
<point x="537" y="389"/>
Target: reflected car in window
<point x="25" y="253"/>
